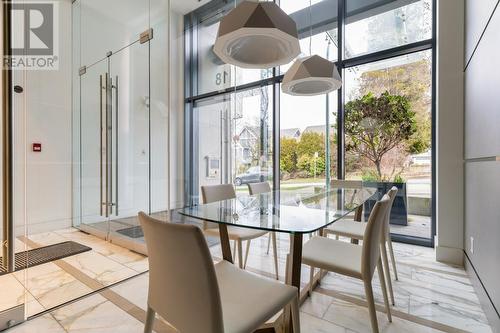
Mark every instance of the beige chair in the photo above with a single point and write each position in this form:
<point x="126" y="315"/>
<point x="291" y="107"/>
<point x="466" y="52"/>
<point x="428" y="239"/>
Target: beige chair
<point x="194" y="295"/>
<point x="258" y="188"/>
<point x="356" y="230"/>
<point x="215" y="193"/>
<point x="354" y="260"/>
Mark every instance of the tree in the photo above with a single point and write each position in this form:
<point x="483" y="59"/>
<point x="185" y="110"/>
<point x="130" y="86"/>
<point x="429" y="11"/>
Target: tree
<point x="310" y="143"/>
<point x="412" y="80"/>
<point x="288" y="155"/>
<point x="376" y="125"/>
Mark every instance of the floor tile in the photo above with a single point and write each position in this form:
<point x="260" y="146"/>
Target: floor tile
<point x="42" y="324"/>
<point x="95" y="314"/>
<point x="98" y="267"/>
<point x="452" y="315"/>
<point x="311" y="324"/>
<point x="51" y="285"/>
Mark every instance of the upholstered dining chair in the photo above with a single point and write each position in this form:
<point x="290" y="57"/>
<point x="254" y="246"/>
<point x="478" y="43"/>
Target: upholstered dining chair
<point x="353" y="260"/>
<point x="194" y="295"/>
<point x="259" y="188"/>
<point x="356" y="230"/>
<point x="221" y="192"/>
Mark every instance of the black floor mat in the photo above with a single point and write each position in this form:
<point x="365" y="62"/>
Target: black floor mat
<point x="132" y="232"/>
<point x="46" y="254"/>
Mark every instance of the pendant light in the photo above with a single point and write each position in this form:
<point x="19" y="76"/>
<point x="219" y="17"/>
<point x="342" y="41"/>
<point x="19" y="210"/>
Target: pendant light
<point x="257" y="35"/>
<point x="312" y="75"/>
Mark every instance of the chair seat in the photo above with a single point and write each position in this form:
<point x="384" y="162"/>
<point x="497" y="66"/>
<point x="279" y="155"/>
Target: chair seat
<point x="347" y="228"/>
<point x="333" y="256"/>
<point x="263" y="298"/>
<point x="236" y="233"/>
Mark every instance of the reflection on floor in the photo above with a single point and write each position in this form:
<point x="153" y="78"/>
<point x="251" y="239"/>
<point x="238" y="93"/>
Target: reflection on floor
<point x="418" y="226"/>
<point x="430" y="297"/>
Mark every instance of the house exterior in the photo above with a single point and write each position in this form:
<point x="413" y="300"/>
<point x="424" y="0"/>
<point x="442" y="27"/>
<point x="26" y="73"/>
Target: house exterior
<point x="319" y="129"/>
<point x="290" y="133"/>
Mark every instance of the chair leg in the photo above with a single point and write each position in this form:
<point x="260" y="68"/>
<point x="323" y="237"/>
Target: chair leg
<point x="295" y="315"/>
<point x="234" y="251"/>
<point x="150" y="319"/>
<point x="275" y="251"/>
<point x="240" y="253"/>
<point x="268" y="243"/>
<point x="246" y="254"/>
<point x="311" y="280"/>
<point x="385" y="263"/>
<point x="391" y="252"/>
<point x="384" y="290"/>
<point x="371" y="305"/>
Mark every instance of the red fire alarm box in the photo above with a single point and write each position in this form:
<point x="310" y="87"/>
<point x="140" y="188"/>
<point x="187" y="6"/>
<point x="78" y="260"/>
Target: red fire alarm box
<point x="37" y="147"/>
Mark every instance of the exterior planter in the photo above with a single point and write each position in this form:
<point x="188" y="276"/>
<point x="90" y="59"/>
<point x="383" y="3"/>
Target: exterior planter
<point x="399" y="212"/>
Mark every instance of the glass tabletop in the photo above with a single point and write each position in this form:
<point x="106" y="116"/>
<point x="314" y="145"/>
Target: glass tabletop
<point x="299" y="213"/>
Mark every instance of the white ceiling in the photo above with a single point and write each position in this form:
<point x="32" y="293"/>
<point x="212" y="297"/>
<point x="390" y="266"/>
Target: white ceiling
<point x="186" y="6"/>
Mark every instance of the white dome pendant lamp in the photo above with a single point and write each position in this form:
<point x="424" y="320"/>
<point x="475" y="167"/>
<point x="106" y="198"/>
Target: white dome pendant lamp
<point x="312" y="75"/>
<point x="257" y="35"/>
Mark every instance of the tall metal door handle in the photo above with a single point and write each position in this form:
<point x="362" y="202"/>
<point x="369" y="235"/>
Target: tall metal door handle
<point x="100" y="145"/>
<point x="106" y="139"/>
<point x="110" y="155"/>
<point x="116" y="143"/>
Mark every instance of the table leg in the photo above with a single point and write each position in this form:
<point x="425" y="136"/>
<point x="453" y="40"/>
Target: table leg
<point x="224" y="242"/>
<point x="295" y="267"/>
<point x="358" y="216"/>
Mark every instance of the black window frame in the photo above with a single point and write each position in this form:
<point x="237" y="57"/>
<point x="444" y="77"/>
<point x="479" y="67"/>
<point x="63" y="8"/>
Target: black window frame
<point x="217" y="8"/>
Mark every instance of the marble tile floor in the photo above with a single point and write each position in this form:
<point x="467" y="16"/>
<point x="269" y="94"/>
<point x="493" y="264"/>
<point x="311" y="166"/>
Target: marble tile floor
<point x="49" y="285"/>
<point x="430" y="296"/>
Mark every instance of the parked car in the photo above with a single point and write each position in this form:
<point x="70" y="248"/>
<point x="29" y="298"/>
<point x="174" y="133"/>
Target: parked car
<point x="253" y="175"/>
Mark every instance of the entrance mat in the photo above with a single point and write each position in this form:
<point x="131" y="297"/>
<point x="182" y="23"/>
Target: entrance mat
<point x="43" y="255"/>
<point x="132" y="232"/>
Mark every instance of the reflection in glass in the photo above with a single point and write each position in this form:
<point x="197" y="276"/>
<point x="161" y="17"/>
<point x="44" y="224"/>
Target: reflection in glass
<point x="302" y="213"/>
<point x="235" y="138"/>
<point x="374" y="25"/>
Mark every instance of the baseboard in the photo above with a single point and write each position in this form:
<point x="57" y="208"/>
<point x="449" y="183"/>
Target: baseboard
<point x="486" y="303"/>
<point x="450" y="255"/>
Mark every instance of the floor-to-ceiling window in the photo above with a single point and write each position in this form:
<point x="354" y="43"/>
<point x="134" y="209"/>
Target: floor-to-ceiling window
<point x="378" y="128"/>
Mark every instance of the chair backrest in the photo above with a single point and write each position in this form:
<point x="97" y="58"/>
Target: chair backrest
<point x="183" y="286"/>
<point x="257" y="188"/>
<point x="340" y="183"/>
<point x="372" y="237"/>
<point x="392" y="195"/>
<point x="213" y="193"/>
<point x="347" y="184"/>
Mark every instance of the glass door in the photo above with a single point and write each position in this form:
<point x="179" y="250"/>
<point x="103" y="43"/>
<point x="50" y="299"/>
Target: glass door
<point x="129" y="146"/>
<point x="95" y="114"/>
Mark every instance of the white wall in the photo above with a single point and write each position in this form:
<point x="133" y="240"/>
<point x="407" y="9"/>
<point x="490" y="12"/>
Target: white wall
<point x="450" y="131"/>
<point x="176" y="110"/>
<point x="42" y="197"/>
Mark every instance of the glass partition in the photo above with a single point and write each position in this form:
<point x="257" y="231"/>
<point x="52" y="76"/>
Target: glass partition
<point x="377" y="46"/>
<point x="120" y="116"/>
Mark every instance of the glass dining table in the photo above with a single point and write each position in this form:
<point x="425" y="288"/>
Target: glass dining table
<point x="284" y="212"/>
